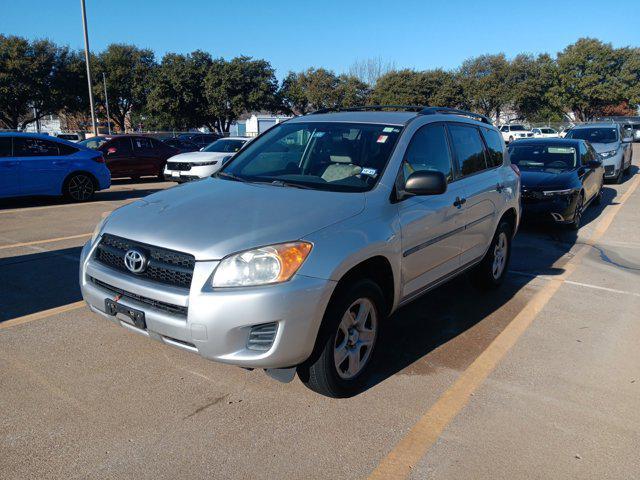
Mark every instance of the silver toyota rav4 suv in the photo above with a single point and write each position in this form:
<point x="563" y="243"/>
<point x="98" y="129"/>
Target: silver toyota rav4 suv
<point x="294" y="254"/>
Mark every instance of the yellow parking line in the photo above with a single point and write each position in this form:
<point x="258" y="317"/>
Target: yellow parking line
<point x="416" y="443"/>
<point x="46" y="207"/>
<point x="40" y="315"/>
<point x="48" y="240"/>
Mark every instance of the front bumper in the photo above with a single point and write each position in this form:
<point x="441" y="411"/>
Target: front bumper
<point x="558" y="209"/>
<point x="612" y="165"/>
<point x="194" y="173"/>
<point x="217" y="322"/>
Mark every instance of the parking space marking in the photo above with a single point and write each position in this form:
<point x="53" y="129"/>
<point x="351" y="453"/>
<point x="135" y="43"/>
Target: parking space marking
<point x="579" y="284"/>
<point x="48" y="240"/>
<point x="46" y="207"/>
<point x="426" y="431"/>
<point x="40" y="315"/>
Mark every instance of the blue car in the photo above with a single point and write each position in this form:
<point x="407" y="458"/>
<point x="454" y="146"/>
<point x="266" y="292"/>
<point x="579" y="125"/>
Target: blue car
<point x="33" y="164"/>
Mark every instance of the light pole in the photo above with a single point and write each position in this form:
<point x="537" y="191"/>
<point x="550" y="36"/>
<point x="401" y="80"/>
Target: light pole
<point x="86" y="59"/>
<point x="106" y="101"/>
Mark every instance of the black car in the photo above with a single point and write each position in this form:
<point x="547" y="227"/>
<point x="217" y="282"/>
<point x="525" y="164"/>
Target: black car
<point x="182" y="145"/>
<point x="200" y="139"/>
<point x="560" y="178"/>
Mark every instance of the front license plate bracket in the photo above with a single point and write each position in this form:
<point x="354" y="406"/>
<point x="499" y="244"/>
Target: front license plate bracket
<point x="136" y="316"/>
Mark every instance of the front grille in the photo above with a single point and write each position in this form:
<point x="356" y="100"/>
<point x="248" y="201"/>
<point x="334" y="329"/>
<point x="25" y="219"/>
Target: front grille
<point x="181" y="166"/>
<point x="165" y="307"/>
<point x="261" y="337"/>
<point x="163" y="266"/>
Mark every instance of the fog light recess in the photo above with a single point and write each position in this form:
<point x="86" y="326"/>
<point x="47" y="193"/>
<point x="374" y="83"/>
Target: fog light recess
<point x="261" y="336"/>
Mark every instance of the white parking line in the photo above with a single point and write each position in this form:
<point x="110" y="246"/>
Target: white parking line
<point x="46" y="207"/>
<point x="48" y="240"/>
<point x="578" y="284"/>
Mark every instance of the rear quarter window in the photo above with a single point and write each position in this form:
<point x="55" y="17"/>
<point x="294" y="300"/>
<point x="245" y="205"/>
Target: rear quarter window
<point x="495" y="144"/>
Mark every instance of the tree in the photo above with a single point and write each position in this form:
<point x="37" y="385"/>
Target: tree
<point x="589" y="73"/>
<point x="408" y="87"/>
<point x="485" y="83"/>
<point x="630" y="76"/>
<point x="370" y="70"/>
<point x="36" y="79"/>
<point x="177" y="99"/>
<point x="351" y="91"/>
<point x="310" y="90"/>
<point x="235" y="87"/>
<point x="534" y="81"/>
<point x="129" y="71"/>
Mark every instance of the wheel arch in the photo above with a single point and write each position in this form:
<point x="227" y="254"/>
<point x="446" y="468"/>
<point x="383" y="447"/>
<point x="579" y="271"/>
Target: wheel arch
<point x="93" y="178"/>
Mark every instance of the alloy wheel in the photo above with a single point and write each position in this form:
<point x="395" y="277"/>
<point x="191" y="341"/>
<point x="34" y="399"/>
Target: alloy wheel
<point x="355" y="338"/>
<point x="80" y="187"/>
<point x="499" y="255"/>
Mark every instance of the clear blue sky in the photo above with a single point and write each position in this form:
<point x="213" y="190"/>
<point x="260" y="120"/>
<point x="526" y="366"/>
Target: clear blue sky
<point x="297" y="34"/>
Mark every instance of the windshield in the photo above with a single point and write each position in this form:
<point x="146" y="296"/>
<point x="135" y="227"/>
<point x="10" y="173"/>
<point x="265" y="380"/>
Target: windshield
<point x="543" y="157"/>
<point x="224" y="146"/>
<point x="93" y="143"/>
<point x="595" y="135"/>
<point x="325" y="156"/>
<point x="517" y="128"/>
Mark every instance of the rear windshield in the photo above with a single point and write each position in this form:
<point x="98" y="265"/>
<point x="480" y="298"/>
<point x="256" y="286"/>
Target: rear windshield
<point x="543" y="157"/>
<point x="347" y="157"/>
<point x="595" y="135"/>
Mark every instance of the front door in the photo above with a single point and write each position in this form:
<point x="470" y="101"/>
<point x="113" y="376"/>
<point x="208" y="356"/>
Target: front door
<point x="119" y="157"/>
<point x="431" y="225"/>
<point x="42" y="169"/>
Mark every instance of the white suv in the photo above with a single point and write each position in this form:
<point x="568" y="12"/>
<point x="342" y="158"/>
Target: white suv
<point x="514" y="132"/>
<point x="545" y="132"/>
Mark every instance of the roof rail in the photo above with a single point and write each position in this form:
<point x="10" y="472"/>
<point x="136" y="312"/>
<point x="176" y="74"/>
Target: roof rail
<point x="454" y="111"/>
<point x="371" y="108"/>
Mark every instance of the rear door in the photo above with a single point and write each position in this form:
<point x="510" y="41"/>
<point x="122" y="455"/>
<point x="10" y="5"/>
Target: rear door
<point x="431" y="225"/>
<point x="480" y="181"/>
<point x="118" y="154"/>
<point x="148" y="158"/>
<point x="9" y="181"/>
<point x="41" y="167"/>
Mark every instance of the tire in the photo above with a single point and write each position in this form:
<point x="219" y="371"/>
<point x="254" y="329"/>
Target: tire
<point x="577" y="213"/>
<point x="79" y="187"/>
<point x="490" y="272"/>
<point x="332" y="370"/>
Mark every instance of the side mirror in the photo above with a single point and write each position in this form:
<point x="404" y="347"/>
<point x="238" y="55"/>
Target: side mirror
<point x="594" y="163"/>
<point x="111" y="150"/>
<point x="425" y="182"/>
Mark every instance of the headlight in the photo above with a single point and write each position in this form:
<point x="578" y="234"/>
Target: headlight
<point x="567" y="191"/>
<point x="608" y="154"/>
<point x="202" y="164"/>
<point x="98" y="228"/>
<point x="272" y="264"/>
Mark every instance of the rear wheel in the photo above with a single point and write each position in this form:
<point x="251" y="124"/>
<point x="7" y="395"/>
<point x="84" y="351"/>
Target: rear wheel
<point x="79" y="187"/>
<point x="346" y="342"/>
<point x="490" y="272"/>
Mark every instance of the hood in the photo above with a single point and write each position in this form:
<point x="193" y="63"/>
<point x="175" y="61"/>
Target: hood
<point x="605" y="147"/>
<point x="213" y="218"/>
<point x="189" y="157"/>
<point x="537" y="179"/>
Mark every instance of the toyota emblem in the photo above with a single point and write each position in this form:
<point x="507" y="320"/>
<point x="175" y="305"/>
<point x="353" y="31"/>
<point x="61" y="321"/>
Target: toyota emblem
<point x="135" y="261"/>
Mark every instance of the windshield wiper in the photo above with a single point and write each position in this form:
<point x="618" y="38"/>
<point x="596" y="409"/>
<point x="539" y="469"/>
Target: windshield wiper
<point x="230" y="176"/>
<point x="282" y="183"/>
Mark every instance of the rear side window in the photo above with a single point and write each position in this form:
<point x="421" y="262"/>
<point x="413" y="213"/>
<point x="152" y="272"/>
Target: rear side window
<point x="468" y="148"/>
<point x="122" y="146"/>
<point x="34" y="147"/>
<point x="5" y="146"/>
<point x="428" y="150"/>
<point x="141" y="143"/>
<point x="495" y="144"/>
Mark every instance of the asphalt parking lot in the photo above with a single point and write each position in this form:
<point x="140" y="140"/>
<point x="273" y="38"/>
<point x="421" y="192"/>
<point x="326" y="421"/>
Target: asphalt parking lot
<point x="540" y="379"/>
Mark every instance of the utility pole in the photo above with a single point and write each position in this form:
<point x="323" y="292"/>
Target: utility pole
<point x="86" y="59"/>
<point x="106" y="101"/>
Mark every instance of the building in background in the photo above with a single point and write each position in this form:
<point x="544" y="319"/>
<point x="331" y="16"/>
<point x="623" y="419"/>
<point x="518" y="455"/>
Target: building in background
<point x="255" y="123"/>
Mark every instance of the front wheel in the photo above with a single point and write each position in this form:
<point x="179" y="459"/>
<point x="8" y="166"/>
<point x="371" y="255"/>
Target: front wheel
<point x="490" y="272"/>
<point x="620" y="176"/>
<point x="346" y="342"/>
<point x="577" y="213"/>
<point x="79" y="187"/>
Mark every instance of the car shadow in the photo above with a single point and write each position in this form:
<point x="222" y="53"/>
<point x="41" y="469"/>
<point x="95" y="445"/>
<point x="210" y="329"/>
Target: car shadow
<point x="39" y="281"/>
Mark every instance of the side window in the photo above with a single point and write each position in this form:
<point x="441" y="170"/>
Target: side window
<point x="142" y="144"/>
<point x="122" y="146"/>
<point x="585" y="153"/>
<point x="34" y="147"/>
<point x="428" y="150"/>
<point x="66" y="149"/>
<point x="495" y="143"/>
<point x="468" y="148"/>
<point x="5" y="147"/>
<point x="592" y="153"/>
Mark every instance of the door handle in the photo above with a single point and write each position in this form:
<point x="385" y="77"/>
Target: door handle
<point x="459" y="202"/>
<point x="499" y="187"/>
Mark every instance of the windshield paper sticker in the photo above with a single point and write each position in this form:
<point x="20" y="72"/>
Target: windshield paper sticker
<point x="372" y="172"/>
<point x="382" y="138"/>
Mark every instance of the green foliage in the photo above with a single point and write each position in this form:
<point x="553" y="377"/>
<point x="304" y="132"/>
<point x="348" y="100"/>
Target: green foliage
<point x="485" y="84"/>
<point x="409" y="87"/>
<point x="129" y="71"/>
<point x="235" y="87"/>
<point x="533" y="95"/>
